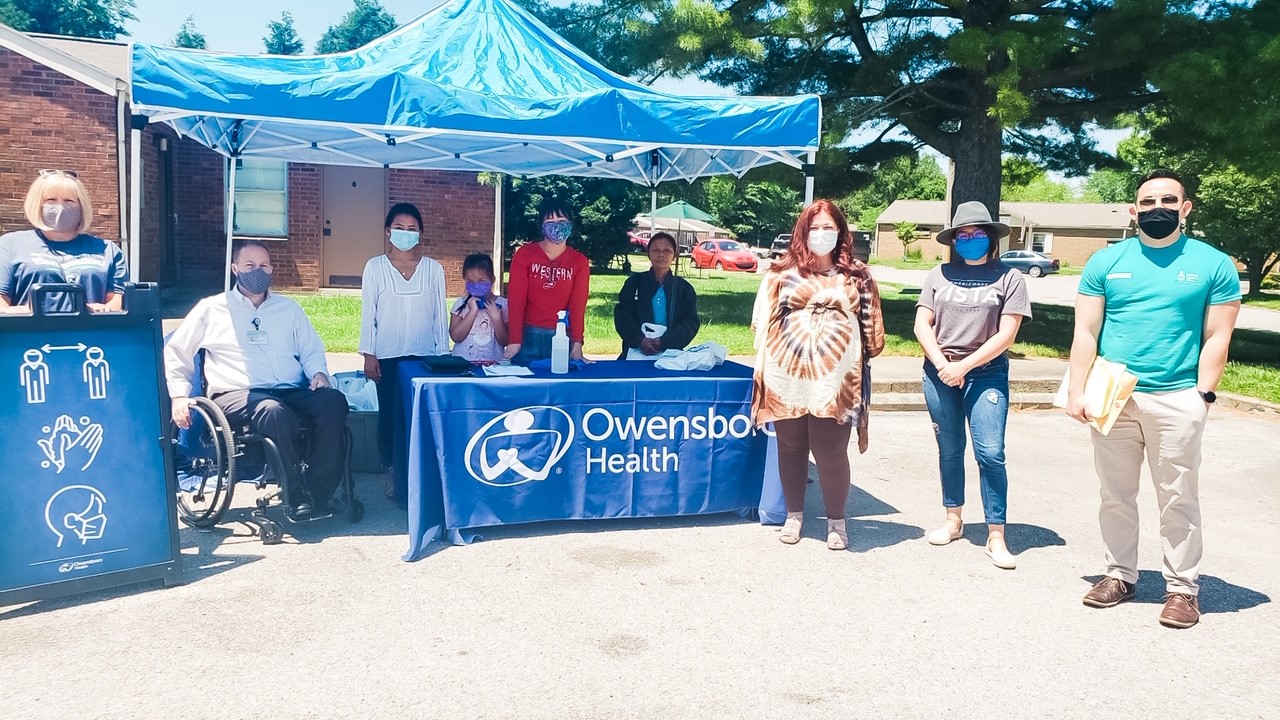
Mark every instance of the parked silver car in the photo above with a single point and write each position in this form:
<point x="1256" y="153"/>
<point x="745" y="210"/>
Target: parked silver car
<point x="1030" y="262"/>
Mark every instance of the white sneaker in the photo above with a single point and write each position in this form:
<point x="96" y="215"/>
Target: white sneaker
<point x="1001" y="558"/>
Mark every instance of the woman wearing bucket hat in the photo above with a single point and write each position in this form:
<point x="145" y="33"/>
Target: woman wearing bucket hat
<point x="818" y="323"/>
<point x="968" y="315"/>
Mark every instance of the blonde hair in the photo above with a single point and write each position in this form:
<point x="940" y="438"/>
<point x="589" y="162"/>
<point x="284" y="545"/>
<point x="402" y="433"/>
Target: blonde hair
<point x="44" y="186"/>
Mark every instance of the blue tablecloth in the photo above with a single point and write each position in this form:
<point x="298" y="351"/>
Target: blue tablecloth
<point x="616" y="439"/>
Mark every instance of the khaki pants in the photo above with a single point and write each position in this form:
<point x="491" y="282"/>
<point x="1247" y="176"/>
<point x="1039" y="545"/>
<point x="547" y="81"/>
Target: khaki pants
<point x="1168" y="428"/>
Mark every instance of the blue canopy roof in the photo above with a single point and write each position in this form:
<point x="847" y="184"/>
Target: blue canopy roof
<point x="475" y="85"/>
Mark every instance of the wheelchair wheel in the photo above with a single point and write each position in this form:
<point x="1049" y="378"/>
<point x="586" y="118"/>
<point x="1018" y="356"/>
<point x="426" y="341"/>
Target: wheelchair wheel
<point x="204" y="461"/>
<point x="271" y="532"/>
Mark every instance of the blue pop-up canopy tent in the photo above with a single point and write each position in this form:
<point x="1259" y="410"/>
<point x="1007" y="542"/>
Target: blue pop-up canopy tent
<point x="472" y="85"/>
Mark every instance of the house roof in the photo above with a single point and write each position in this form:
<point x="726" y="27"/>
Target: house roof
<point x="110" y="56"/>
<point x="41" y="50"/>
<point x="1037" y="214"/>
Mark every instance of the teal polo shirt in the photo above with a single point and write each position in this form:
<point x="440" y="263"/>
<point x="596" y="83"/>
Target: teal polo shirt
<point x="1156" y="299"/>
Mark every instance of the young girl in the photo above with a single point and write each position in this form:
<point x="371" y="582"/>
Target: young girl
<point x="478" y="324"/>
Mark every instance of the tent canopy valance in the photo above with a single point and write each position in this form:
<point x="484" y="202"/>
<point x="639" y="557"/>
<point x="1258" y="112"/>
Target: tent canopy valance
<point x="472" y="85"/>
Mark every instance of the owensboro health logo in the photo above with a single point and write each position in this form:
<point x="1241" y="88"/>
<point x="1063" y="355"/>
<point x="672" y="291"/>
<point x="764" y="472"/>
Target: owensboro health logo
<point x="519" y="446"/>
<point x="526" y="444"/>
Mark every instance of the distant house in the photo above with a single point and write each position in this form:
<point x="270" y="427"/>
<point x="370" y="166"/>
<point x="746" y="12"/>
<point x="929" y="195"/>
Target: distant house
<point x="64" y="104"/>
<point x="1070" y="232"/>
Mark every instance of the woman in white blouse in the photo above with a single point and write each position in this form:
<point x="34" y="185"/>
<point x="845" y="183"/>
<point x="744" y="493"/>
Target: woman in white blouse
<point x="404" y="316"/>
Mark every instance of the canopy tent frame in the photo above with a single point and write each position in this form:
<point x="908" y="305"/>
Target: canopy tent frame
<point x="324" y="109"/>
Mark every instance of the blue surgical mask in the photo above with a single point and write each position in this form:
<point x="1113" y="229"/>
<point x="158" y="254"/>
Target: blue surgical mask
<point x="557" y="231"/>
<point x="404" y="239"/>
<point x="973" y="248"/>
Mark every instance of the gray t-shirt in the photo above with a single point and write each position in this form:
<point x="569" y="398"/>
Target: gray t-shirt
<point x="967" y="302"/>
<point x="26" y="258"/>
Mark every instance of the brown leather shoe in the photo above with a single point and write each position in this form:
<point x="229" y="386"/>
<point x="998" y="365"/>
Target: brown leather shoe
<point x="1180" y="610"/>
<point x="1109" y="592"/>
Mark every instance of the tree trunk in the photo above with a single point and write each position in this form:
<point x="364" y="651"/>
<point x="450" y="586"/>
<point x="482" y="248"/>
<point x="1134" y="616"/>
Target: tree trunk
<point x="977" y="163"/>
<point x="1253" y="270"/>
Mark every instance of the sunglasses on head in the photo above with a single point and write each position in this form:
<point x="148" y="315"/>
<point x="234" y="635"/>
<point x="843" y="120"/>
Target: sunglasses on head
<point x="68" y="173"/>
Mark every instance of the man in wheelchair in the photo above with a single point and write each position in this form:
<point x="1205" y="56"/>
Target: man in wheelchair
<point x="264" y="365"/>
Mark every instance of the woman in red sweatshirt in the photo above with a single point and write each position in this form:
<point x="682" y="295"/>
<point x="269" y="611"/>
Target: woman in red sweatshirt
<point x="546" y="277"/>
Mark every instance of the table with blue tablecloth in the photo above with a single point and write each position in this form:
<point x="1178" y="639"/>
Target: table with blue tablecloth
<point x="615" y="439"/>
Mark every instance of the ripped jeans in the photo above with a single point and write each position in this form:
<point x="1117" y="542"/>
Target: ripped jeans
<point x="983" y="401"/>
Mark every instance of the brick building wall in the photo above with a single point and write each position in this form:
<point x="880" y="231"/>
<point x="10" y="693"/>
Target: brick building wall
<point x="49" y="120"/>
<point x="1072" y="246"/>
<point x="457" y="215"/>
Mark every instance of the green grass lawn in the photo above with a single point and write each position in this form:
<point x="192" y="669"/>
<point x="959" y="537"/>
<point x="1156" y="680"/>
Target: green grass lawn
<point x="724" y="304"/>
<point x="1269" y="300"/>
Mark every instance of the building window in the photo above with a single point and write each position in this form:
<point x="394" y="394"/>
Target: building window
<point x="1042" y="242"/>
<point x="262" y="197"/>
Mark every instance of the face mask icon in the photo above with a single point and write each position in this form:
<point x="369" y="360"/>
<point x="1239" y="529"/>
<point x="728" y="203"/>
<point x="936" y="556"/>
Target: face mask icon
<point x="77" y="511"/>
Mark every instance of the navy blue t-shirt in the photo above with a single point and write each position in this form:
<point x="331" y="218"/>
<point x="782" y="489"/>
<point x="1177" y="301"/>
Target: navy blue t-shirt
<point x="27" y="257"/>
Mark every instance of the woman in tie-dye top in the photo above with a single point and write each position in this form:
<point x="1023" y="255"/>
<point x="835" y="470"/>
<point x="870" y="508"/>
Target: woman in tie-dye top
<point x="818" y="323"/>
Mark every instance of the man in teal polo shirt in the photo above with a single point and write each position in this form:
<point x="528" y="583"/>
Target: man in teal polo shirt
<point x="1165" y="305"/>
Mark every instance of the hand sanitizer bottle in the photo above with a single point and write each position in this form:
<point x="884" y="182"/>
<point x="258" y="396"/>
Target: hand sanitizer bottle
<point x="560" y="345"/>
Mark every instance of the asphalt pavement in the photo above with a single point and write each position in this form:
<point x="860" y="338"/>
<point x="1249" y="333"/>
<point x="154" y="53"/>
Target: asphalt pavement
<point x="706" y="617"/>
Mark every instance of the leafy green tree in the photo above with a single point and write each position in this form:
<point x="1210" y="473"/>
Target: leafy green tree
<point x="1236" y="211"/>
<point x="188" y="36"/>
<point x="366" y="22"/>
<point x="1024" y="181"/>
<point x="1223" y="92"/>
<point x="102" y="19"/>
<point x="1109" y="185"/>
<point x="755" y="211"/>
<point x="604" y="211"/>
<point x="971" y="78"/>
<point x="903" y="177"/>
<point x="282" y="37"/>
<point x="906" y="232"/>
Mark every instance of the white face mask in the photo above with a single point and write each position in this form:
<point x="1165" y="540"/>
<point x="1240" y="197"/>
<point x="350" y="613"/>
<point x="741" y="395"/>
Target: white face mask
<point x="822" y="242"/>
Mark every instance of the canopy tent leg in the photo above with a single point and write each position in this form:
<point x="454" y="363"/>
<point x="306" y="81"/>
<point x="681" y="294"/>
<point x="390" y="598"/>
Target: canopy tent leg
<point x="653" y="208"/>
<point x="231" y="215"/>
<point x="811" y="160"/>
<point x="498" y="193"/>
<point x="135" y="204"/>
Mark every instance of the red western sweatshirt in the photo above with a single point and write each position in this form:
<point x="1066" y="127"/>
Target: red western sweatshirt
<point x="540" y="287"/>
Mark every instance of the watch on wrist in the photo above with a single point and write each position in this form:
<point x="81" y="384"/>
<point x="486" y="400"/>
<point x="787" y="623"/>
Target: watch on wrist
<point x="1208" y="396"/>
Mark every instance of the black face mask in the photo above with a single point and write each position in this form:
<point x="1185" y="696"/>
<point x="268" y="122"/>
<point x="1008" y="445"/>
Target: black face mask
<point x="1158" y="223"/>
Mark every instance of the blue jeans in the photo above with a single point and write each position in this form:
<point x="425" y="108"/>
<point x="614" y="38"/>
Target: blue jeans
<point x="983" y="401"/>
<point x="536" y="345"/>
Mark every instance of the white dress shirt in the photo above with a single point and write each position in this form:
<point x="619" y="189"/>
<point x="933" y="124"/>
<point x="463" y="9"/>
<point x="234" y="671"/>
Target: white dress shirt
<point x="403" y="317"/>
<point x="270" y="346"/>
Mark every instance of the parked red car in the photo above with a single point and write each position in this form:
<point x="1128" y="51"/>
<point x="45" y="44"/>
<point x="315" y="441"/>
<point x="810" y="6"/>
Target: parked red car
<point x="723" y="255"/>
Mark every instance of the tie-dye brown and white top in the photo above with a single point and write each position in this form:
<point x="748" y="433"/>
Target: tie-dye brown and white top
<point x="815" y="336"/>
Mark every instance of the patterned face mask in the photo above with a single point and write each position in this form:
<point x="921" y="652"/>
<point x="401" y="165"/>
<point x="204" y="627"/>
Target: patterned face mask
<point x="255" y="282"/>
<point x="557" y="231"/>
<point x="479" y="289"/>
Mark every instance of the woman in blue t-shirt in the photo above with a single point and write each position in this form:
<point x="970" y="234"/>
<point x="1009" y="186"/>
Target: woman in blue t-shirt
<point x="968" y="315"/>
<point x="58" y="249"/>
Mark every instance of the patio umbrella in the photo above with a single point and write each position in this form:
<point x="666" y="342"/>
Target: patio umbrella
<point x="680" y="211"/>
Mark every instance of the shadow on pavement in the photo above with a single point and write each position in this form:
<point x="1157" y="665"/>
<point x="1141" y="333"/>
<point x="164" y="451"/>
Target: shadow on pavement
<point x="195" y="567"/>
<point x="1216" y="595"/>
<point x="1018" y="536"/>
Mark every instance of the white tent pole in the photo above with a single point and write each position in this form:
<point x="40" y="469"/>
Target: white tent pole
<point x="810" y="161"/>
<point x="231" y="215"/>
<point x="135" y="205"/>
<point x="497" y="232"/>
<point x="653" y="208"/>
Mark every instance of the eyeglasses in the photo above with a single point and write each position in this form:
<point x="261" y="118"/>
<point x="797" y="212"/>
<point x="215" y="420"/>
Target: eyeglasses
<point x="972" y="235"/>
<point x="68" y="173"/>
<point x="1165" y="200"/>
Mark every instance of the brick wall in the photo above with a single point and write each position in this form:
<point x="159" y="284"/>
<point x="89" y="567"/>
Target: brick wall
<point x="48" y="120"/>
<point x="457" y="212"/>
<point x="888" y="246"/>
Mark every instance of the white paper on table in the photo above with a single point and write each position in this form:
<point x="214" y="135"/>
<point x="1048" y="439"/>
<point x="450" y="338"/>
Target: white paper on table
<point x="507" y="370"/>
